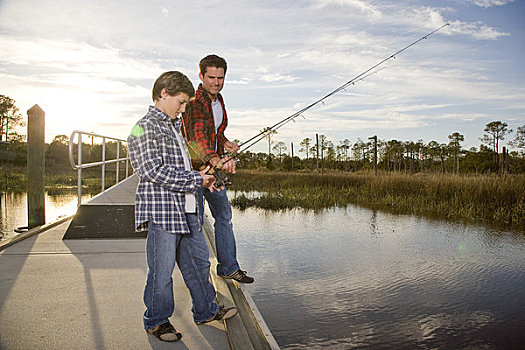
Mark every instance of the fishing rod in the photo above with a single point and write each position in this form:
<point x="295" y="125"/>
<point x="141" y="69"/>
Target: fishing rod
<point x="255" y="139"/>
<point x="267" y="130"/>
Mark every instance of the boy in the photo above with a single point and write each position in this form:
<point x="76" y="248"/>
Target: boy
<point x="166" y="207"/>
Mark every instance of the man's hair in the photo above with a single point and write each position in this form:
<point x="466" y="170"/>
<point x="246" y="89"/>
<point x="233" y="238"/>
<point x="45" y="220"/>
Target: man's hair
<point x="174" y="82"/>
<point x="212" y="61"/>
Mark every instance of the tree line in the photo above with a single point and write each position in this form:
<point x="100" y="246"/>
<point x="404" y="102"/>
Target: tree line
<point x="57" y="152"/>
<point x="13" y="146"/>
<point x="320" y="154"/>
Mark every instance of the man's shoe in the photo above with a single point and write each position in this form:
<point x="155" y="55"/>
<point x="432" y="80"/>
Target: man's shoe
<point x="165" y="332"/>
<point x="239" y="276"/>
<point x="223" y="314"/>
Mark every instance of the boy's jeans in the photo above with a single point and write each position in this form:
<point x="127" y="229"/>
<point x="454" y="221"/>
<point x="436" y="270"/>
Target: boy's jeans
<point x="224" y="239"/>
<point x="190" y="252"/>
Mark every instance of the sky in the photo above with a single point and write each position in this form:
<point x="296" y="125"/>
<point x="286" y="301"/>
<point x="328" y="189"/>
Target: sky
<point x="91" y="64"/>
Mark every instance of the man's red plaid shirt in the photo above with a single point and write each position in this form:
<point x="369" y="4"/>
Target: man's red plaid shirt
<point x="199" y="128"/>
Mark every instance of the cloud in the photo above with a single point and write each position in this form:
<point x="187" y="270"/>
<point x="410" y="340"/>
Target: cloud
<point x="373" y="13"/>
<point x="74" y="57"/>
<point x="282" y="56"/>
<point x="242" y="81"/>
<point x="77" y="84"/>
<point x="477" y="30"/>
<point x="490" y="3"/>
<point x="270" y="78"/>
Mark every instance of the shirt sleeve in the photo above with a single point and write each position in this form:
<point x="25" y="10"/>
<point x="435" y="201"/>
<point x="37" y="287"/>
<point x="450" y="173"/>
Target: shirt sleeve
<point x="146" y="155"/>
<point x="197" y="128"/>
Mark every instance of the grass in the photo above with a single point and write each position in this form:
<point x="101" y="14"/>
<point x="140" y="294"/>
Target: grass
<point x="13" y="178"/>
<point x="481" y="199"/>
<point x="493" y="200"/>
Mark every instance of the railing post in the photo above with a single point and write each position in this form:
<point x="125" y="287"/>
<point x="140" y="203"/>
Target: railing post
<point x="127" y="164"/>
<point x="103" y="163"/>
<point x="79" y="166"/>
<point x="118" y="161"/>
<point x="36" y="206"/>
<point x="79" y="171"/>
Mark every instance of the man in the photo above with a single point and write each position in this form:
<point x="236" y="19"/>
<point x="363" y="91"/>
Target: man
<point x="165" y="206"/>
<point x="205" y="121"/>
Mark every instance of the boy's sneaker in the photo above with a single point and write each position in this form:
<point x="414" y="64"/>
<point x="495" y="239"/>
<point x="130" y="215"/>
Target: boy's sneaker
<point x="239" y="276"/>
<point x="223" y="314"/>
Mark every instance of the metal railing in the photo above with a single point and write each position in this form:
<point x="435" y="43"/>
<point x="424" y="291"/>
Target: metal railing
<point x="78" y="166"/>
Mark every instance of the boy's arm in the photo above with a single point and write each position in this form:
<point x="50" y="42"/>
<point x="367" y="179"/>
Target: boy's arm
<point x="149" y="165"/>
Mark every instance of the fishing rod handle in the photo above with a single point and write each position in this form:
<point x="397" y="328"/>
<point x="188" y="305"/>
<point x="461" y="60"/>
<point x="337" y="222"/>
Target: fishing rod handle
<point x="221" y="179"/>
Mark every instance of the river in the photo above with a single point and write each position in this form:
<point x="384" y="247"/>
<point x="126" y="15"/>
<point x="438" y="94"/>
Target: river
<point x="13" y="207"/>
<point x="352" y="278"/>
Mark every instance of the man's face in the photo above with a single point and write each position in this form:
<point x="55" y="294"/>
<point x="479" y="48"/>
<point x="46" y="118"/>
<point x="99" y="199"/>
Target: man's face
<point x="212" y="81"/>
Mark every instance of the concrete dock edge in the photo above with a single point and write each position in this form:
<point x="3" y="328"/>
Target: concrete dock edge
<point x="31" y="232"/>
<point x="249" y="331"/>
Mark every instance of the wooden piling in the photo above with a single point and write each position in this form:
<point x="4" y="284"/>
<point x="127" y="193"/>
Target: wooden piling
<point x="292" y="157"/>
<point x="317" y="152"/>
<point x="36" y="213"/>
<point x="374" y="138"/>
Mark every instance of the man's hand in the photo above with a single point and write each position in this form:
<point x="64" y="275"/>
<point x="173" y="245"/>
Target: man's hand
<point x="225" y="164"/>
<point x="214" y="161"/>
<point x="231" y="147"/>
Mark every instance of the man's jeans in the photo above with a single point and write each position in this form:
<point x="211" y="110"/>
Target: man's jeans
<point x="190" y="252"/>
<point x="224" y="239"/>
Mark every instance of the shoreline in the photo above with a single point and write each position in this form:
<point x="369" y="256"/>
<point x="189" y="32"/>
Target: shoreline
<point x="488" y="200"/>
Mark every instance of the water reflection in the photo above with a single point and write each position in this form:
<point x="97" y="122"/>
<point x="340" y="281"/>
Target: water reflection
<point x="355" y="278"/>
<point x="13" y="207"/>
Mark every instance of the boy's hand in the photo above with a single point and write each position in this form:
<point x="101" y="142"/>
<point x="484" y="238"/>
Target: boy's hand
<point x="207" y="180"/>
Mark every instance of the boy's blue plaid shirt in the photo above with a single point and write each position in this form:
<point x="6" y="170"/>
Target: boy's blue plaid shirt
<point x="156" y="157"/>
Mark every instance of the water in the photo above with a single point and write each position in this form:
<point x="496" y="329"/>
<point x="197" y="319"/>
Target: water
<point x="352" y="278"/>
<point x="13" y="207"/>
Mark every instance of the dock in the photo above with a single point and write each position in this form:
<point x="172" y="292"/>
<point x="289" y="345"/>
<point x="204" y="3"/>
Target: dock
<point x="85" y="291"/>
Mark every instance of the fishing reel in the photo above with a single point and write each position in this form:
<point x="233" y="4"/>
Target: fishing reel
<point x="221" y="179"/>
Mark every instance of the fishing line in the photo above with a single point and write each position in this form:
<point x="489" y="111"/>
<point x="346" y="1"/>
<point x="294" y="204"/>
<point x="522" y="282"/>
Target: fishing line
<point x="360" y="77"/>
<point x="264" y="132"/>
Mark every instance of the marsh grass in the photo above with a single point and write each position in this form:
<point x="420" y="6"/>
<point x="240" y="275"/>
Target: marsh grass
<point x="494" y="200"/>
<point x="13" y="178"/>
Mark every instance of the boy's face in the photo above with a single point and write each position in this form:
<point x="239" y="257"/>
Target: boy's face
<point x="212" y="81"/>
<point x="175" y="105"/>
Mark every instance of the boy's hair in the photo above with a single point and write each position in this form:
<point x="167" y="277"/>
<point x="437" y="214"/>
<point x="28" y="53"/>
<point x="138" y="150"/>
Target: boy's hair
<point x="212" y="61"/>
<point x="174" y="82"/>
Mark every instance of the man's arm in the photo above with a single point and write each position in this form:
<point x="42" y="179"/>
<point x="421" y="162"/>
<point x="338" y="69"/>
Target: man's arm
<point x="196" y="132"/>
